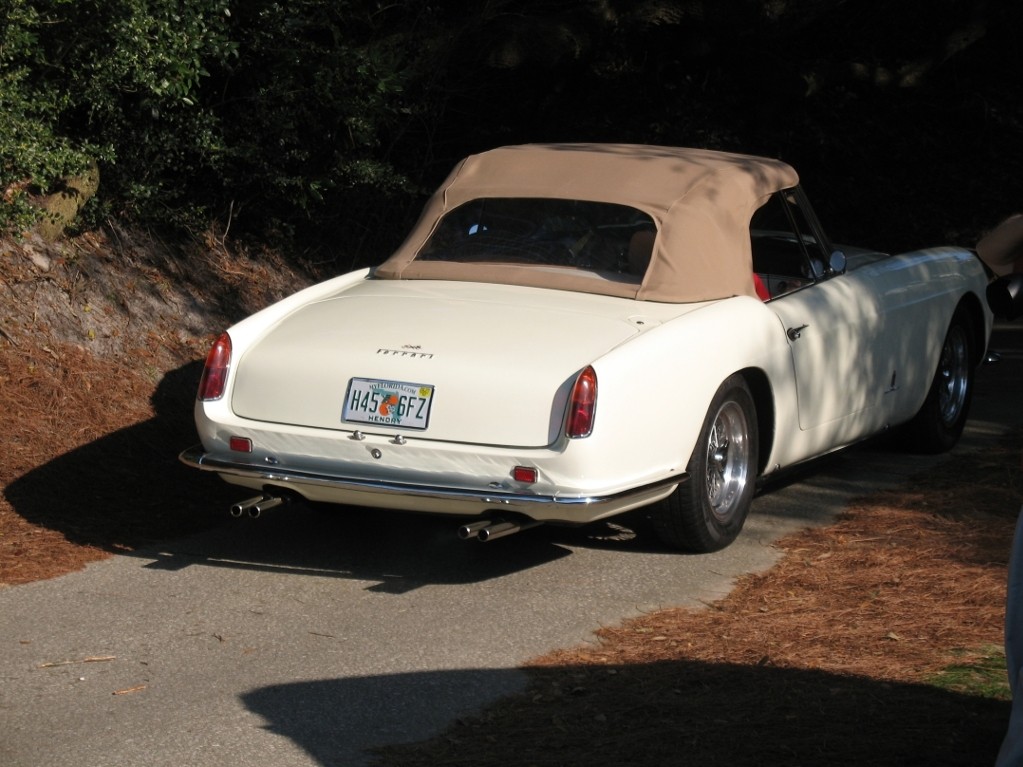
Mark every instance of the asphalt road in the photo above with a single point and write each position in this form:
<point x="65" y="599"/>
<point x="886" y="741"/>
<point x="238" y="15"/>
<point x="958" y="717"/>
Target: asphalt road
<point x="304" y="639"/>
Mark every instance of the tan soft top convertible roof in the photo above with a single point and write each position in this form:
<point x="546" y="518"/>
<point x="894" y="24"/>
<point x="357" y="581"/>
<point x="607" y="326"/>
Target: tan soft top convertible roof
<point x="700" y="200"/>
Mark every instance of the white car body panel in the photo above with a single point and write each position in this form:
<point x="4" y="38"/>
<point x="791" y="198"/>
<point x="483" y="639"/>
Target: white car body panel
<point x="848" y="355"/>
<point x="866" y="358"/>
<point x="494" y="355"/>
<point x="665" y="361"/>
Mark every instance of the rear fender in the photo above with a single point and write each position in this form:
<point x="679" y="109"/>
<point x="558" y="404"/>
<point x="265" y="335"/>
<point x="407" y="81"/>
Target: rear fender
<point x="654" y="391"/>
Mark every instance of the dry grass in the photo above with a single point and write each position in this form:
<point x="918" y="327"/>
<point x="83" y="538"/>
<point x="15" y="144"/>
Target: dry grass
<point x="89" y="461"/>
<point x="101" y="342"/>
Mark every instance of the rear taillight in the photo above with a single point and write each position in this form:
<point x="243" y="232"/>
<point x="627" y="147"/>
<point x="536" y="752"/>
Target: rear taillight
<point x="214" y="375"/>
<point x="582" y="405"/>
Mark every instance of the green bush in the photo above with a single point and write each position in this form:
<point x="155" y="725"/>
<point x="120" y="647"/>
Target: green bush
<point x="307" y="108"/>
<point x="332" y="118"/>
<point x="33" y="154"/>
<point x="114" y="81"/>
<point x="277" y="111"/>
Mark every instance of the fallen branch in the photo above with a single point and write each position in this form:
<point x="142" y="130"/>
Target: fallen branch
<point x="93" y="659"/>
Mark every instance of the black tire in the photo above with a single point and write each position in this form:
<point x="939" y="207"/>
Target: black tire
<point x="707" y="513"/>
<point x="939" y="423"/>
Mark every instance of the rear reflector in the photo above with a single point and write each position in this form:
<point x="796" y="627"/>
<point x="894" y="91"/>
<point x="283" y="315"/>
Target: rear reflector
<point x="582" y="405"/>
<point x="524" y="474"/>
<point x="241" y="444"/>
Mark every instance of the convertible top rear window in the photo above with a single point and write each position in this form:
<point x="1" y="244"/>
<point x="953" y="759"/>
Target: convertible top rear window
<point x="581" y="234"/>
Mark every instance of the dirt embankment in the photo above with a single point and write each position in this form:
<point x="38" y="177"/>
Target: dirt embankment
<point x="101" y="342"/>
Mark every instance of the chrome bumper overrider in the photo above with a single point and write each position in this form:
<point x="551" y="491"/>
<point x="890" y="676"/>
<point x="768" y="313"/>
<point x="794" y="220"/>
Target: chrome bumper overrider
<point x="531" y="505"/>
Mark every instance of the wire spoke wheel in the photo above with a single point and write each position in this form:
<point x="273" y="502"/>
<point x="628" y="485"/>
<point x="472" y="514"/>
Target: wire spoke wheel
<point x="728" y="467"/>
<point x="953" y="375"/>
<point x="939" y="423"/>
<point x="707" y="512"/>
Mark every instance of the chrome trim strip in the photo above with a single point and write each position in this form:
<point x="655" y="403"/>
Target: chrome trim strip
<point x="197" y="458"/>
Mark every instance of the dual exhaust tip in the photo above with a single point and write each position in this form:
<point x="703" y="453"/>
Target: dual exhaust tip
<point x="255" y="507"/>
<point x="490" y="530"/>
<point x="482" y="530"/>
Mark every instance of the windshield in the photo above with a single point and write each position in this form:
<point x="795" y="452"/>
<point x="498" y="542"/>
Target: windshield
<point x="595" y="236"/>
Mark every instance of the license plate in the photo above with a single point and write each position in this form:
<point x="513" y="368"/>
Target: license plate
<point x="388" y="403"/>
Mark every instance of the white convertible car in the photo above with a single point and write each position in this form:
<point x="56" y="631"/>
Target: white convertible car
<point x="573" y="331"/>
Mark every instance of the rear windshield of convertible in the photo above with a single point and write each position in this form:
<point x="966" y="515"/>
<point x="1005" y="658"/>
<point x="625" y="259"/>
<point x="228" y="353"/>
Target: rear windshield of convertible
<point x="581" y="234"/>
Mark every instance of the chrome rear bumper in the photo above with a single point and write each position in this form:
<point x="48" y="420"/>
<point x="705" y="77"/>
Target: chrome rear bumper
<point x="412" y="497"/>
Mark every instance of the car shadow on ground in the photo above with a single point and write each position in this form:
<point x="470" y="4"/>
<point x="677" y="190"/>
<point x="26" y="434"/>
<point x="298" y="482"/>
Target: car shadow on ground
<point x="126" y="489"/>
<point x="669" y="712"/>
<point x="400" y="551"/>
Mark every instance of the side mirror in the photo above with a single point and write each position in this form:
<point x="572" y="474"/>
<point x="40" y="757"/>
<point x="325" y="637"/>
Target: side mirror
<point x="837" y="262"/>
<point x="1005" y="296"/>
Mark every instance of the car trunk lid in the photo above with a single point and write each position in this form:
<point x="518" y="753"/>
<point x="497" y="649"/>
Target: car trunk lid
<point x="490" y="366"/>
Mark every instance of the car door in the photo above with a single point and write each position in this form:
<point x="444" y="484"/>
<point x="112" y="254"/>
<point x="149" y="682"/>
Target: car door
<point x="831" y="326"/>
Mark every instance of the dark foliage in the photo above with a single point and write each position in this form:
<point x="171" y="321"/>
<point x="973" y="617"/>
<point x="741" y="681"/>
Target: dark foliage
<point x="329" y="122"/>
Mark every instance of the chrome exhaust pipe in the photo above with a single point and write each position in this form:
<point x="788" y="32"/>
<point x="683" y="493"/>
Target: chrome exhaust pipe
<point x="254" y="507"/>
<point x="498" y="530"/>
<point x="267" y="503"/>
<point x="471" y="530"/>
<point x="238" y="509"/>
<point x="492" y="530"/>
